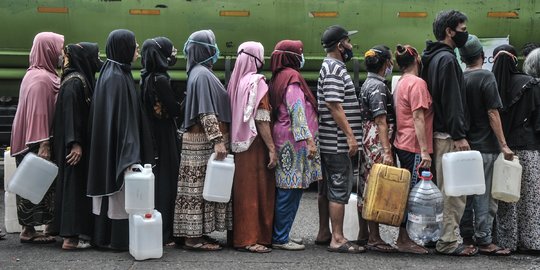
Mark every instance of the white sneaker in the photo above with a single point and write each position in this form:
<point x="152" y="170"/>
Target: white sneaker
<point x="289" y="246"/>
<point x="297" y="240"/>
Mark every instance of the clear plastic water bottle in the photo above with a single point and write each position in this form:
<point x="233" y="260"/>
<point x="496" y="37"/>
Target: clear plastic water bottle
<point x="425" y="211"/>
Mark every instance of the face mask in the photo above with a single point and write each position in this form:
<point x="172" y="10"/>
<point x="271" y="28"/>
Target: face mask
<point x="171" y="60"/>
<point x="259" y="67"/>
<point x="347" y="54"/>
<point x="460" y="38"/>
<point x="60" y="62"/>
<point x="213" y="57"/>
<point x="388" y="71"/>
<point x="302" y="60"/>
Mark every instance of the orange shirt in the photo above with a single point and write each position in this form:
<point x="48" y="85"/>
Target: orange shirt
<point x="412" y="94"/>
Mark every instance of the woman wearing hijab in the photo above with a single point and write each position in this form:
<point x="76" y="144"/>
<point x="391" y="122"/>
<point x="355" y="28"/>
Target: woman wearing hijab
<point x="295" y="134"/>
<point x="517" y="223"/>
<point x="162" y="107"/>
<point x="206" y="130"/>
<point x="251" y="141"/>
<point x="73" y="215"/>
<point x="31" y="128"/>
<point x="119" y="138"/>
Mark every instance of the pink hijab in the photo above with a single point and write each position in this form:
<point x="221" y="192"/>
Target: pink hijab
<point x="246" y="90"/>
<point x="37" y="96"/>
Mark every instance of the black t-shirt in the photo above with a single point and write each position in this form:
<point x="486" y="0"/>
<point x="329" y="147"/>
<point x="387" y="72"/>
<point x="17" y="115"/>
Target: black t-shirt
<point x="482" y="95"/>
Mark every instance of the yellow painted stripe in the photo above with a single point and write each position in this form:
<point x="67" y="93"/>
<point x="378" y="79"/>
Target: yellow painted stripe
<point x="144" y="12"/>
<point x="52" y="9"/>
<point x="503" y="14"/>
<point x="324" y="14"/>
<point x="234" y="13"/>
<point x="407" y="14"/>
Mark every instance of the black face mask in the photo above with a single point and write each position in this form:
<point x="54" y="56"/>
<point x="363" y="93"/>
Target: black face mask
<point x="171" y="60"/>
<point x="460" y="38"/>
<point x="347" y="54"/>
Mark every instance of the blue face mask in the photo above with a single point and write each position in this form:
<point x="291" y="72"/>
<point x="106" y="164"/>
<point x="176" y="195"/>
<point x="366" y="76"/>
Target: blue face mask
<point x="213" y="57"/>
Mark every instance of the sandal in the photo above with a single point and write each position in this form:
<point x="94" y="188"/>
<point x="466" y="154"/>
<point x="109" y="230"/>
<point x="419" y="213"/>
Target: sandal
<point x="347" y="247"/>
<point x="461" y="251"/>
<point x="38" y="239"/>
<point x="381" y="247"/>
<point x="210" y="239"/>
<point x="493" y="251"/>
<point x="256" y="248"/>
<point x="203" y="246"/>
<point x="2" y="235"/>
<point x="412" y="249"/>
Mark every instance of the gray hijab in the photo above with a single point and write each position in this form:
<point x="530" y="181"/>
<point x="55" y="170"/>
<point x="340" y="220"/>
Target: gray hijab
<point x="200" y="48"/>
<point x="205" y="93"/>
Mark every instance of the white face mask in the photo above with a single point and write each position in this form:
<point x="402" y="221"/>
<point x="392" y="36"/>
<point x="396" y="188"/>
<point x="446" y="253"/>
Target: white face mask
<point x="388" y="71"/>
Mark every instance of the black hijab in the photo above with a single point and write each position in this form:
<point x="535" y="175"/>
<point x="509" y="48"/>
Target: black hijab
<point x="119" y="130"/>
<point x="155" y="54"/>
<point x="504" y="68"/>
<point x="83" y="57"/>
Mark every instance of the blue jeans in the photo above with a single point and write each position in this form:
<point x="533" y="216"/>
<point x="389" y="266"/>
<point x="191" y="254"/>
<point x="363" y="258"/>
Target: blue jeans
<point x="287" y="203"/>
<point x="480" y="210"/>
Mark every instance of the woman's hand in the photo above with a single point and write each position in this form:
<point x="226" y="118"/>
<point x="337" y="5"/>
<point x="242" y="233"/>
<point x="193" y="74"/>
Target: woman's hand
<point x="426" y="161"/>
<point x="312" y="149"/>
<point x="388" y="158"/>
<point x="44" y="150"/>
<point x="272" y="156"/>
<point x="75" y="155"/>
<point x="220" y="150"/>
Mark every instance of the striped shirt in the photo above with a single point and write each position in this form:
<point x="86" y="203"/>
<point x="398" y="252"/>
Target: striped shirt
<point x="335" y="85"/>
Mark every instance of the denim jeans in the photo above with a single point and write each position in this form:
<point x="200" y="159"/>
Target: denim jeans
<point x="480" y="210"/>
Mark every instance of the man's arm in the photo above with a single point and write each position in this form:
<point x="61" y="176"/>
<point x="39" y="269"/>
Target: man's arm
<point x="339" y="116"/>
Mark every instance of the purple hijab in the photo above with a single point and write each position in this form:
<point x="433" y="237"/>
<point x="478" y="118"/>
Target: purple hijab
<point x="37" y="96"/>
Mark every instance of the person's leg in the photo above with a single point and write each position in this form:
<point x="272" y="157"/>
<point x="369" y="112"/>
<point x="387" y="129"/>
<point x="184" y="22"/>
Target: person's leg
<point x="453" y="207"/>
<point x="287" y="202"/>
<point x="485" y="209"/>
<point x="466" y="225"/>
<point x="324" y="235"/>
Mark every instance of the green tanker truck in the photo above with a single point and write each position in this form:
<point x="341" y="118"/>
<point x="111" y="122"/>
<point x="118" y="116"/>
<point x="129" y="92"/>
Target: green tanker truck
<point x="235" y="21"/>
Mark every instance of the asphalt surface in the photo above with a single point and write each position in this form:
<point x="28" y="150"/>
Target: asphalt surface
<point x="14" y="255"/>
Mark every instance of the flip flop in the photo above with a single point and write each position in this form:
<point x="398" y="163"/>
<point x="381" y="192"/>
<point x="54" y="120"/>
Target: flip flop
<point x="459" y="251"/>
<point x="201" y="247"/>
<point x="379" y="247"/>
<point x="35" y="239"/>
<point x="410" y="249"/>
<point x="346" y="248"/>
<point x="494" y="252"/>
<point x="255" y="249"/>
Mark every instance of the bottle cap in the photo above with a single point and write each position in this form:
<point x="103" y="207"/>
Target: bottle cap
<point x="426" y="174"/>
<point x="148" y="166"/>
<point x="148" y="215"/>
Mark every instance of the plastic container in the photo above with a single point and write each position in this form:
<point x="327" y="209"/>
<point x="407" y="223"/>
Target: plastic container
<point x="425" y="211"/>
<point x="145" y="236"/>
<point x="506" y="179"/>
<point x="463" y="173"/>
<point x="350" y="221"/>
<point x="11" y="220"/>
<point x="219" y="179"/>
<point x="139" y="185"/>
<point x="33" y="178"/>
<point x="385" y="194"/>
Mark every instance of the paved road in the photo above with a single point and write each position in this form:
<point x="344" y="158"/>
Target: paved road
<point x="14" y="255"/>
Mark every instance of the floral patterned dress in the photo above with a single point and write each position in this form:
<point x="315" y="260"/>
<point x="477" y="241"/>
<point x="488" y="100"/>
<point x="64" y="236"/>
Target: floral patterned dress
<point x="296" y="122"/>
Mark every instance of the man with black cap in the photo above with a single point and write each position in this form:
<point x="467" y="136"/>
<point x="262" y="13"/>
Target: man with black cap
<point x="339" y="133"/>
<point x="486" y="136"/>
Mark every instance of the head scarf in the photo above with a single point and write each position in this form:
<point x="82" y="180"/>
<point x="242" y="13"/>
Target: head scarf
<point x="83" y="57"/>
<point x="37" y="95"/>
<point x="504" y="68"/>
<point x="246" y="90"/>
<point x="285" y="64"/>
<point x="200" y="48"/>
<point x="154" y="55"/>
<point x="121" y="46"/>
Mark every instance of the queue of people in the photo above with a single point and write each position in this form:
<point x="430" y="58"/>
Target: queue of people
<point x="94" y="130"/>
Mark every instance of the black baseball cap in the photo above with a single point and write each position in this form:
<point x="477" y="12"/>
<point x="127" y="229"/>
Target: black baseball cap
<point x="334" y="34"/>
